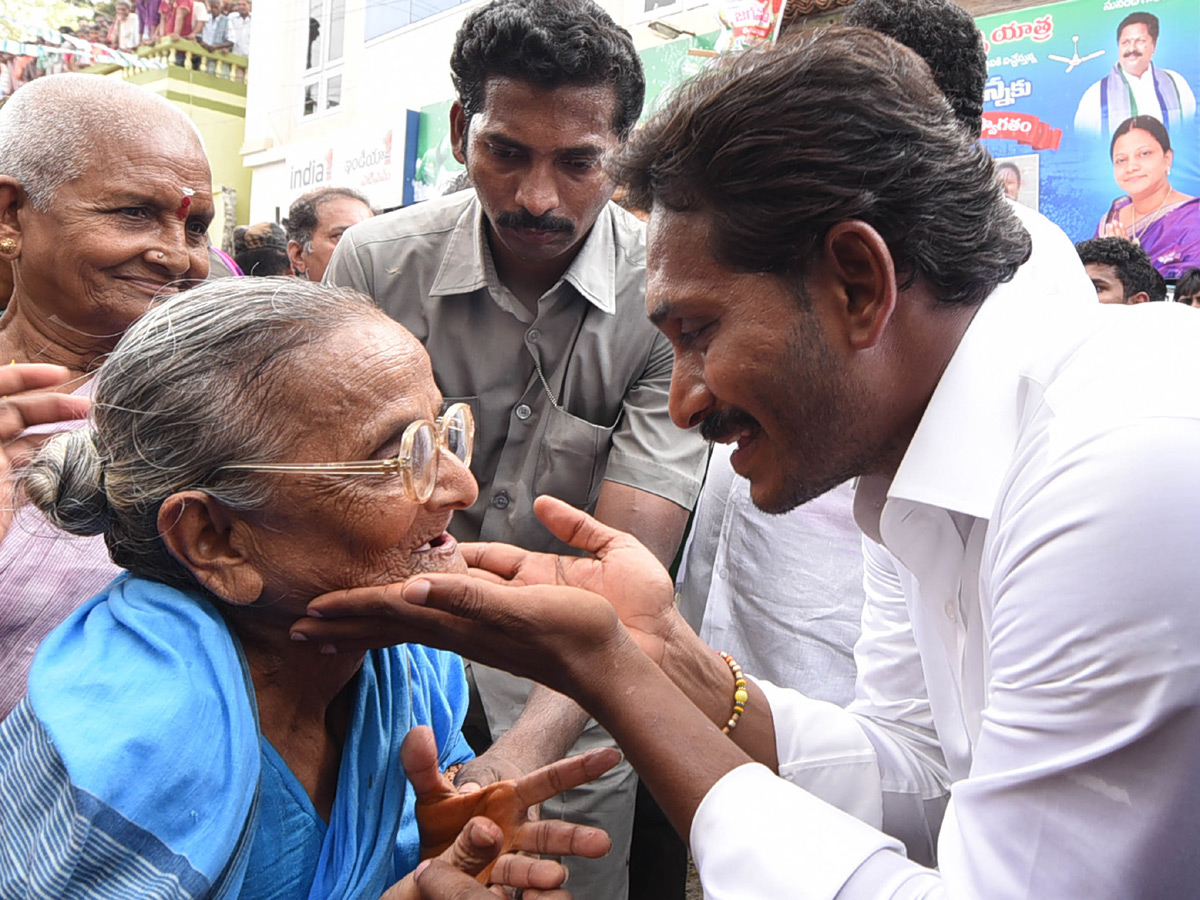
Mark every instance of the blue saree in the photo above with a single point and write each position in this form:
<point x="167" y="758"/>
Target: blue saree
<point x="134" y="766"/>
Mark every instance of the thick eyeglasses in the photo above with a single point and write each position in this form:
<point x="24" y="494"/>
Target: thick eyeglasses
<point x="416" y="463"/>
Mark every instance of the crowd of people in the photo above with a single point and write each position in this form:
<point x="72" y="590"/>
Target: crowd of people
<point x="340" y="568"/>
<point x="219" y="26"/>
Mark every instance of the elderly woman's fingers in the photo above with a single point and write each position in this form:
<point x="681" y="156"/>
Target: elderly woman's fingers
<point x="419" y="756"/>
<point x="31" y="376"/>
<point x="502" y="560"/>
<point x="553" y="837"/>
<point x="476" y="847"/>
<point x="18" y="413"/>
<point x="549" y="781"/>
<point x="435" y="880"/>
<point x="526" y="872"/>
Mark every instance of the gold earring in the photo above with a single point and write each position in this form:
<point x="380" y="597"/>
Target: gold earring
<point x="8" y="245"/>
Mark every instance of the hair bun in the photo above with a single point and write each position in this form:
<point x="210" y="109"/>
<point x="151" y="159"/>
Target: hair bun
<point x="66" y="482"/>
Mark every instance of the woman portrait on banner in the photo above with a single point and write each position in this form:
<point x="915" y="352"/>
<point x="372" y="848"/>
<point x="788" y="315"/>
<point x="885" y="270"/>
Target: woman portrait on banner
<point x="1164" y="221"/>
<point x="255" y="443"/>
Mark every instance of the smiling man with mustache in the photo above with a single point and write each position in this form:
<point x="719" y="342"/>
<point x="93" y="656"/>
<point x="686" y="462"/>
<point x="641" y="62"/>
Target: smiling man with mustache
<point x="529" y="294"/>
<point x="1136" y="86"/>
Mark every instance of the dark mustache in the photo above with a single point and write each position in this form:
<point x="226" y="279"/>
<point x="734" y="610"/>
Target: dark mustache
<point x="525" y="219"/>
<point x="723" y="423"/>
<point x="1137" y="53"/>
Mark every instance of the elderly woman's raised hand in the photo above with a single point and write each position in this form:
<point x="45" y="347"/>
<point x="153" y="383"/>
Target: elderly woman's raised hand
<point x="19" y="410"/>
<point x="445" y="815"/>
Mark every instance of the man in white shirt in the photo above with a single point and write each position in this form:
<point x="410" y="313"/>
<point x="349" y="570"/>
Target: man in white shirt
<point x="1136" y="87"/>
<point x="848" y="293"/>
<point x="237" y="28"/>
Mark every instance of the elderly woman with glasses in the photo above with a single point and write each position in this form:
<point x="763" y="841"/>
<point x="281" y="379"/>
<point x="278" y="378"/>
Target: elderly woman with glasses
<point x="254" y="444"/>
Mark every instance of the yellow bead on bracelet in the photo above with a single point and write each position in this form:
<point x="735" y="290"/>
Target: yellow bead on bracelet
<point x="740" y="696"/>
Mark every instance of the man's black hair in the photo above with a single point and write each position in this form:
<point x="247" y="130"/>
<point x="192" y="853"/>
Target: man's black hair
<point x="945" y="36"/>
<point x="1134" y="269"/>
<point x="1140" y="18"/>
<point x="548" y="43"/>
<point x="263" y="262"/>
<point x="1188" y="284"/>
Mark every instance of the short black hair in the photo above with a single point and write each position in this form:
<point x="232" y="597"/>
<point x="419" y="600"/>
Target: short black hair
<point x="1009" y="167"/>
<point x="843" y="123"/>
<point x="264" y="261"/>
<point x="944" y="35"/>
<point x="548" y="43"/>
<point x="302" y="218"/>
<point x="1134" y="269"/>
<point x="1148" y="124"/>
<point x="1140" y="18"/>
<point x="1188" y="284"/>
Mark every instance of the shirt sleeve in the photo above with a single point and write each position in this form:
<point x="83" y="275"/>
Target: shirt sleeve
<point x="1087" y="114"/>
<point x="346" y="268"/>
<point x="879" y="758"/>
<point x="648" y="451"/>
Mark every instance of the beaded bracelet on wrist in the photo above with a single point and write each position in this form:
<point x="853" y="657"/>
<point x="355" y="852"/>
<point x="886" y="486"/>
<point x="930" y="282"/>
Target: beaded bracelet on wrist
<point x="740" y="696"/>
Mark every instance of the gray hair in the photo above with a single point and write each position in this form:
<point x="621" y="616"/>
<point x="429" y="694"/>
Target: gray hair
<point x="304" y="214"/>
<point x="186" y="391"/>
<point x="48" y="128"/>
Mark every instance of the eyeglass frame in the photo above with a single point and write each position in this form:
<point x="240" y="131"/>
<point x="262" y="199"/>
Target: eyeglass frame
<point x="400" y="464"/>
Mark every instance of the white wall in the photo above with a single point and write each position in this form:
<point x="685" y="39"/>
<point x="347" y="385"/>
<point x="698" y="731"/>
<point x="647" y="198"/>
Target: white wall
<point x="403" y="70"/>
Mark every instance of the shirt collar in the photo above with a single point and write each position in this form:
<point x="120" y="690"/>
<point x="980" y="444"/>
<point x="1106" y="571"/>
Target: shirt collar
<point x="467" y="262"/>
<point x="964" y="444"/>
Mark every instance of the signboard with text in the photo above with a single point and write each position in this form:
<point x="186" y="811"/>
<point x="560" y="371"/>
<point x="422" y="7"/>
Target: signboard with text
<point x="1063" y="80"/>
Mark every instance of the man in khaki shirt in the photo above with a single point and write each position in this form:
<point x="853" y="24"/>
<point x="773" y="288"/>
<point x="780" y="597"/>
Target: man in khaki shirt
<point x="529" y="294"/>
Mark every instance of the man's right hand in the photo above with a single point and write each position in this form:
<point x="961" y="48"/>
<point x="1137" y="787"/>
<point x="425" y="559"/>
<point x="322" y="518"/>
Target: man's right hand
<point x="620" y="569"/>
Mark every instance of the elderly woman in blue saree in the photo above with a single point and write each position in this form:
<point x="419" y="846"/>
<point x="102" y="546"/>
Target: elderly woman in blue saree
<point x="255" y="444"/>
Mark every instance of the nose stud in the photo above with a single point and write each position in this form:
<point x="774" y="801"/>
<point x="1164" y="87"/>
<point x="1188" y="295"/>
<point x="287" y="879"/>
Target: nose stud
<point x="161" y="255"/>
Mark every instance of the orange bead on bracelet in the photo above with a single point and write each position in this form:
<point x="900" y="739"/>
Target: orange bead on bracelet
<point x="740" y="696"/>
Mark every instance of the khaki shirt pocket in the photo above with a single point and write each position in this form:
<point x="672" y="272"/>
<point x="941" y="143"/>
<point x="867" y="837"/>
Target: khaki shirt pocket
<point x="572" y="458"/>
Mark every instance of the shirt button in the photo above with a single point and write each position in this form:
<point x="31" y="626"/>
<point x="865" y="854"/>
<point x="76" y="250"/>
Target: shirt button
<point x="532" y="335"/>
<point x="950" y="611"/>
<point x="500" y="501"/>
<point x="524" y="412"/>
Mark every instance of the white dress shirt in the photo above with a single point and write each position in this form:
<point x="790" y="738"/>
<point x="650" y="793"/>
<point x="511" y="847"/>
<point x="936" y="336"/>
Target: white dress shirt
<point x="1030" y="657"/>
<point x="782" y="594"/>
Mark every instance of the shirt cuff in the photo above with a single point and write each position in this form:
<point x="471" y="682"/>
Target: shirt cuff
<point x="755" y="835"/>
<point x="822" y="748"/>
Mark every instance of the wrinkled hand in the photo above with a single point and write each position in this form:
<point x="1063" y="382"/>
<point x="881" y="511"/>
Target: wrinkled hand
<point x="443" y="811"/>
<point x="620" y="569"/>
<point x="19" y="410"/>
<point x="438" y="881"/>
<point x="477" y="847"/>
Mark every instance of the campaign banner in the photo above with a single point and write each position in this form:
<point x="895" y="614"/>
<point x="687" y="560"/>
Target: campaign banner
<point x="1090" y="110"/>
<point x="368" y="160"/>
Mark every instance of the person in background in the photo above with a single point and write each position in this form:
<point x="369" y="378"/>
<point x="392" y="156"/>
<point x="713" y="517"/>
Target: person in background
<point x="125" y="31"/>
<point x="261" y="250"/>
<point x="237" y="29"/>
<point x="1135" y="84"/>
<point x="315" y="223"/>
<point x="1121" y="271"/>
<point x="528" y="290"/>
<point x="1163" y="221"/>
<point x="105" y="202"/>
<point x="1010" y="177"/>
<point x="1187" y="289"/>
<point x="212" y="36"/>
<point x="148" y="19"/>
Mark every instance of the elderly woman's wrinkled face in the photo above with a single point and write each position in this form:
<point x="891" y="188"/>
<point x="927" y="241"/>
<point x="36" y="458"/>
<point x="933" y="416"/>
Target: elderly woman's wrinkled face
<point x="349" y="400"/>
<point x="118" y="235"/>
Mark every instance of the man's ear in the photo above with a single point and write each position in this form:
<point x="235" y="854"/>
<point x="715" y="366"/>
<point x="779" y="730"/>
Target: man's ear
<point x="1139" y="297"/>
<point x="204" y="537"/>
<point x="12" y="198"/>
<point x="296" y="258"/>
<point x="458" y="132"/>
<point x="858" y="259"/>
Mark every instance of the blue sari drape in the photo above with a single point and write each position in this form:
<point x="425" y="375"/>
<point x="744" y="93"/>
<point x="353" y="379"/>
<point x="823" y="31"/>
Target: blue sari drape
<point x="134" y="766"/>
